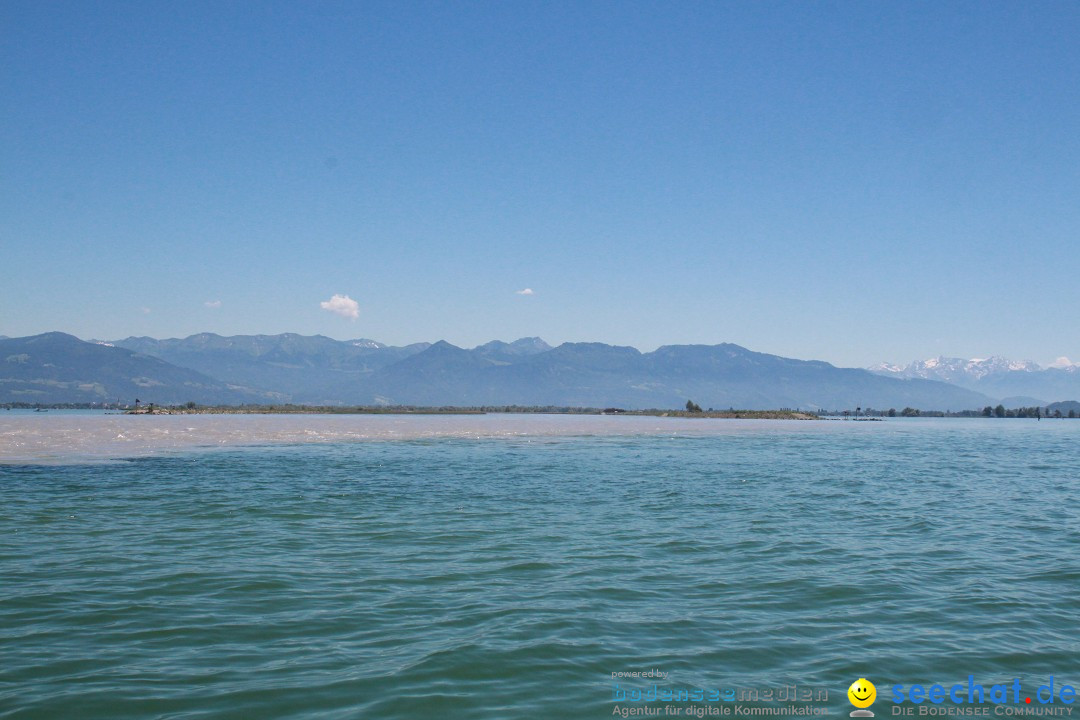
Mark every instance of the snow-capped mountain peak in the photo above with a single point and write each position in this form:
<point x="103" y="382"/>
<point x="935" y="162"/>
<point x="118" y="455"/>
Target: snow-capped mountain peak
<point x="996" y="376"/>
<point x="886" y="369"/>
<point x="956" y="369"/>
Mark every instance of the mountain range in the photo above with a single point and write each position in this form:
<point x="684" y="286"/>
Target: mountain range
<point x="59" y="368"/>
<point x="305" y="369"/>
<point x="267" y="369"/>
<point x="1017" y="382"/>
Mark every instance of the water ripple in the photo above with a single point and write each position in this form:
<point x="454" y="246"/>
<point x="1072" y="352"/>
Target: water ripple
<point x="494" y="578"/>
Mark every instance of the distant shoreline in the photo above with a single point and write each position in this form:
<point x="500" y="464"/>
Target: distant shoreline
<point x="731" y="413"/>
<point x="486" y="410"/>
<point x="154" y="409"/>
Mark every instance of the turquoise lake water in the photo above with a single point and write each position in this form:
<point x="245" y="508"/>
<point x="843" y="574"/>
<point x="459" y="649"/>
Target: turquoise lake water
<point x="481" y="576"/>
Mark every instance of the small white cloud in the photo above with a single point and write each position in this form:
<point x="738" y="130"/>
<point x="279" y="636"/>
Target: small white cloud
<point x="342" y="305"/>
<point x="145" y="310"/>
<point x="212" y="303"/>
<point x="526" y="291"/>
<point x="1062" y="362"/>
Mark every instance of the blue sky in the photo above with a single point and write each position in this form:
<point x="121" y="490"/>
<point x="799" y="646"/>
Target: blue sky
<point x="853" y="182"/>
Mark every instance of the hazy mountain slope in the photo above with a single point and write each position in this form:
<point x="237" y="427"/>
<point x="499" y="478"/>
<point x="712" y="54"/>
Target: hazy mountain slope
<point x="728" y="375"/>
<point x="305" y="369"/>
<point x="598" y="375"/>
<point x="1065" y="407"/>
<point x="511" y="352"/>
<point x="56" y="367"/>
<point x="443" y="374"/>
<point x="1050" y="385"/>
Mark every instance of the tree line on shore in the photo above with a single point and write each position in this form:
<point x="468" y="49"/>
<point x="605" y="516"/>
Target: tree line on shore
<point x="990" y="412"/>
<point x="691" y="408"/>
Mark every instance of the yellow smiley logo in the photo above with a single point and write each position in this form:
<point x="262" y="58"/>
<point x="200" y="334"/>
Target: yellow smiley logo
<point x="862" y="694"/>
